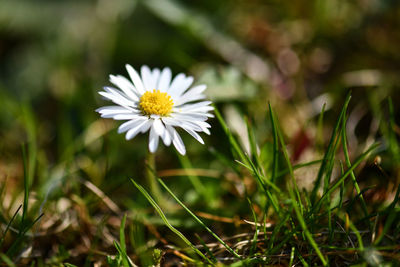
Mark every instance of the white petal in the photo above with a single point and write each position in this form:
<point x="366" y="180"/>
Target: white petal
<point x="189" y="98"/>
<point x="166" y="137"/>
<point x="154" y="80"/>
<point x="158" y="127"/>
<point x="190" y="125"/>
<point x="125" y="85"/>
<point x="194" y="134"/>
<point x="112" y="110"/>
<point x="147" y="77"/>
<point x="130" y="124"/>
<point x="192" y="94"/>
<point x="189" y="116"/>
<point x="195" y="106"/>
<point x="198" y="126"/>
<point x="146" y="126"/>
<point x="202" y="109"/>
<point x="209" y="115"/>
<point x="137" y="81"/>
<point x="171" y="121"/>
<point x="153" y="140"/>
<point x="204" y="126"/>
<point x="119" y="100"/>
<point x="126" y="116"/>
<point x="176" y="140"/>
<point x="197" y="89"/>
<point x="181" y="87"/>
<point x="176" y="82"/>
<point x="119" y="94"/>
<point x="135" y="130"/>
<point x="165" y="79"/>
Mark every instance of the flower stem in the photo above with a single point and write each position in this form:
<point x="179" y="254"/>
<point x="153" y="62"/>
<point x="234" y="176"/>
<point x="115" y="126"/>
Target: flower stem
<point x="151" y="177"/>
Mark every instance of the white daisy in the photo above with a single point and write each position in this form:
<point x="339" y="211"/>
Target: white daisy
<point x="157" y="103"/>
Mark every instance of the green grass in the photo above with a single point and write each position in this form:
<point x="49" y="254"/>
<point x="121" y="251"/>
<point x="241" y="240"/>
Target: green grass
<point x="299" y="223"/>
<point x="326" y="223"/>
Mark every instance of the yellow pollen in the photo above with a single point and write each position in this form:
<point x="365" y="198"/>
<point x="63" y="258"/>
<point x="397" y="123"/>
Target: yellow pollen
<point x="156" y="103"/>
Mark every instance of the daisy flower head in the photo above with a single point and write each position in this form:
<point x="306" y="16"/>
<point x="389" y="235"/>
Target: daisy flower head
<point x="153" y="101"/>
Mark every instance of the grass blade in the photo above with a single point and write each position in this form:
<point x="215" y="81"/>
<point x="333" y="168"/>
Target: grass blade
<point x="253" y="147"/>
<point x="254" y="243"/>
<point x="235" y="145"/>
<point x="199" y="221"/>
<point x="26" y="190"/>
<point x="329" y="150"/>
<point x="9" y="224"/>
<point x="20" y="237"/>
<point x="275" y="153"/>
<point x="167" y="223"/>
<point x="345" y="175"/>
<point x="303" y="225"/>
<point x="7" y="260"/>
<point x="391" y="217"/>
<point x="122" y="242"/>
<point x="348" y="164"/>
<point x="393" y="143"/>
<point x="286" y="156"/>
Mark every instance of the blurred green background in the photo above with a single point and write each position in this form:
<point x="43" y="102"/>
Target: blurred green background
<point x="56" y="55"/>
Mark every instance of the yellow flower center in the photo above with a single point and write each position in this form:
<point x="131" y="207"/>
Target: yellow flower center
<point x="156" y="102"/>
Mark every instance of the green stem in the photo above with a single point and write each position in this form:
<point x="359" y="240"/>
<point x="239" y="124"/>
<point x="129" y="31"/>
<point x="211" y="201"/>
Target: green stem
<point x="151" y="177"/>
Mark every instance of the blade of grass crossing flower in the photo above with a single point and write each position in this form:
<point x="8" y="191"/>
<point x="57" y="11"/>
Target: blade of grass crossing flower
<point x="328" y="153"/>
<point x="345" y="175"/>
<point x="235" y="145"/>
<point x="303" y="225"/>
<point x="348" y="164"/>
<point x="391" y="217"/>
<point x="199" y="221"/>
<point x="167" y="223"/>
